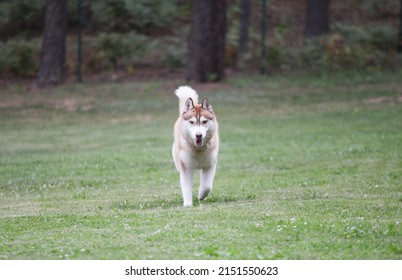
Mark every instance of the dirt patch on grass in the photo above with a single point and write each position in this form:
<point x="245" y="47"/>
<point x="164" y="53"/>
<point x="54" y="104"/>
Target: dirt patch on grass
<point x="69" y="105"/>
<point x="36" y="101"/>
<point x="384" y="99"/>
<point x="8" y="104"/>
<point x="143" y="118"/>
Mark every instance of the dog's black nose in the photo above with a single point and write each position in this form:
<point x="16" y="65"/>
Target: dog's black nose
<point x="198" y="135"/>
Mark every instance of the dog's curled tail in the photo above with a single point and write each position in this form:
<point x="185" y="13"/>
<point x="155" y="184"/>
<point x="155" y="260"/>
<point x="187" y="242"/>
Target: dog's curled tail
<point x="184" y="93"/>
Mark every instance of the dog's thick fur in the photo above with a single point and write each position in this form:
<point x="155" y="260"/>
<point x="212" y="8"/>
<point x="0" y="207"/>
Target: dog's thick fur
<point x="196" y="143"/>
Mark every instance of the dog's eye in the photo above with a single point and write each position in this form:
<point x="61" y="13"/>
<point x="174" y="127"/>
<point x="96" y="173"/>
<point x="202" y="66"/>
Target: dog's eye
<point x="191" y="122"/>
<point x="204" y="121"/>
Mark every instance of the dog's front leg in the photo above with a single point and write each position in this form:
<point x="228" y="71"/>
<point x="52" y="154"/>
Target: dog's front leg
<point x="186" y="181"/>
<point x="207" y="180"/>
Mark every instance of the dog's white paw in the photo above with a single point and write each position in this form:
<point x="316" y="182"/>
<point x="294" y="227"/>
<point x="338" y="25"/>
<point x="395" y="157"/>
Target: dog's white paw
<point x="188" y="204"/>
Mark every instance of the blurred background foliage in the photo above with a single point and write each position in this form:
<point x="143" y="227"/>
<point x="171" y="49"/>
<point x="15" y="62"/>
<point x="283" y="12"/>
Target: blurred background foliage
<point x="130" y="37"/>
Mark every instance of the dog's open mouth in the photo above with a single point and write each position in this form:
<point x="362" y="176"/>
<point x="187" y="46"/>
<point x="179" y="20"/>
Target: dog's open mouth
<point x="198" y="141"/>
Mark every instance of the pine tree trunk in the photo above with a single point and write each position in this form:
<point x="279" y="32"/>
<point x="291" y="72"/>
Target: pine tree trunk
<point x="51" y="71"/>
<point x="317" y="18"/>
<point x="400" y="28"/>
<point x="263" y="60"/>
<point x="206" y="41"/>
<point x="245" y="7"/>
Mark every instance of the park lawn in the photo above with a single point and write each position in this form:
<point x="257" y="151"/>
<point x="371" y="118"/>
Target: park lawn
<point x="309" y="168"/>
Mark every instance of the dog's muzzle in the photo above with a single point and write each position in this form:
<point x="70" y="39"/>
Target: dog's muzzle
<point x="198" y="139"/>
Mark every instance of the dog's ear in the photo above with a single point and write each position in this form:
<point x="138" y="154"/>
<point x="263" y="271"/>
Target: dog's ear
<point x="206" y="105"/>
<point x="188" y="105"/>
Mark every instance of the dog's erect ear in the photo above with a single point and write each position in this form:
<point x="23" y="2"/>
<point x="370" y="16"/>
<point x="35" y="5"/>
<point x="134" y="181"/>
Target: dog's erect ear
<point x="206" y="105"/>
<point x="188" y="105"/>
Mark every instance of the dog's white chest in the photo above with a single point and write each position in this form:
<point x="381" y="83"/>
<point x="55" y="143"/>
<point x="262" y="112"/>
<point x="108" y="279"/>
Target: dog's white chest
<point x="197" y="159"/>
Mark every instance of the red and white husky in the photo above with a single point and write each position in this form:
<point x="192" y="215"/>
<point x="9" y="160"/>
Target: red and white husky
<point x="196" y="143"/>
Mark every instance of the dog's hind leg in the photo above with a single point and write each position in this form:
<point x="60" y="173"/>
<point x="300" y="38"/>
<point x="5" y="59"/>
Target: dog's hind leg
<point x="207" y="180"/>
<point x="186" y="181"/>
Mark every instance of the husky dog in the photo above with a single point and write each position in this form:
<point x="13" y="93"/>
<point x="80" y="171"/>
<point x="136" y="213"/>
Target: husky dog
<point x="196" y="143"/>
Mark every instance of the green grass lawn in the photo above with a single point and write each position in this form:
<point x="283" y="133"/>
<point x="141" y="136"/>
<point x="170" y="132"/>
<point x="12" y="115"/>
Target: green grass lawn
<point x="309" y="168"/>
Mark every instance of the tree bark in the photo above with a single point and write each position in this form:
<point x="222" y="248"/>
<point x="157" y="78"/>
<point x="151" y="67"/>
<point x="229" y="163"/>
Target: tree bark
<point x="317" y="18"/>
<point x="400" y="28"/>
<point x="51" y="71"/>
<point x="263" y="60"/>
<point x="245" y="7"/>
<point x="206" y="41"/>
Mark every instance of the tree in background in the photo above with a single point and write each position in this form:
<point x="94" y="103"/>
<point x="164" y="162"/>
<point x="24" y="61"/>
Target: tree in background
<point x="400" y="28"/>
<point x="263" y="60"/>
<point x="51" y="69"/>
<point x="206" y="41"/>
<point x="245" y="7"/>
<point x="317" y="18"/>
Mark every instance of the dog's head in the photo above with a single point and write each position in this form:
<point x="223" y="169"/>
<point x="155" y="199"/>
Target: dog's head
<point x="199" y="121"/>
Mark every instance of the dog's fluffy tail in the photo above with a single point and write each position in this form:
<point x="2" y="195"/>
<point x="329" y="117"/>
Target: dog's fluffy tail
<point x="184" y="93"/>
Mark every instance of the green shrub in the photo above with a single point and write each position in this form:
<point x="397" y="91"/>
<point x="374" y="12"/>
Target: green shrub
<point x="19" y="58"/>
<point x="22" y="17"/>
<point x="125" y="15"/>
<point x="274" y="56"/>
<point x="346" y="48"/>
<point x="379" y="37"/>
<point x="112" y="50"/>
<point x="174" y="52"/>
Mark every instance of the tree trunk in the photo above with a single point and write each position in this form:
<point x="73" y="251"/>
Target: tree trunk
<point x="206" y="41"/>
<point x="400" y="28"/>
<point x="263" y="60"/>
<point x="51" y="71"/>
<point x="317" y="18"/>
<point x="245" y="7"/>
